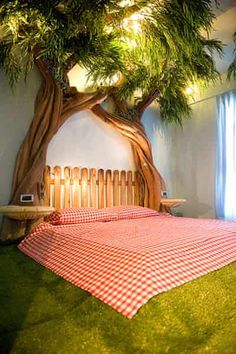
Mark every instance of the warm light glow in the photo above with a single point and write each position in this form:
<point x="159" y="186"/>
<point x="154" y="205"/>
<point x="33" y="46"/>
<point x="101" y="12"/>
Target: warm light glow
<point x="78" y="77"/>
<point x="133" y="23"/>
<point x="191" y="90"/>
<point x="114" y="79"/>
<point x="125" y="3"/>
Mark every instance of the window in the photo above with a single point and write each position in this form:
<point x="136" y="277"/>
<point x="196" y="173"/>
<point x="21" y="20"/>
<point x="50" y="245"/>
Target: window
<point x="226" y="157"/>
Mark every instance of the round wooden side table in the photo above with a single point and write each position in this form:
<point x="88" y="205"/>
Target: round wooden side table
<point x="29" y="215"/>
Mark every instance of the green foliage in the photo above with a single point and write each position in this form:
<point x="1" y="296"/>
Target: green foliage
<point x="56" y="31"/>
<point x="163" y="48"/>
<point x="232" y="70"/>
<point x="232" y="67"/>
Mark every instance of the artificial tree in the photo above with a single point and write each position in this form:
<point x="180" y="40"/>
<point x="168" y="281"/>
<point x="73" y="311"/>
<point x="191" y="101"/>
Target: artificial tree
<point x="135" y="53"/>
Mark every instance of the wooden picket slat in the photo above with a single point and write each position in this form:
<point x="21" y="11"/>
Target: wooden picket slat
<point x="84" y="187"/>
<point x="75" y="176"/>
<point x="66" y="187"/>
<point x="108" y="188"/>
<point x="93" y="194"/>
<point x="116" y="199"/>
<point x="92" y="188"/>
<point x="47" y="179"/>
<point x="123" y="188"/>
<point x="137" y="188"/>
<point x="57" y="187"/>
<point x="129" y="188"/>
<point x="101" y="188"/>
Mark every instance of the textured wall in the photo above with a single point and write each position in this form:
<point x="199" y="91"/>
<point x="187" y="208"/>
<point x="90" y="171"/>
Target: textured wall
<point x="186" y="156"/>
<point x="16" y="112"/>
<point x="85" y="141"/>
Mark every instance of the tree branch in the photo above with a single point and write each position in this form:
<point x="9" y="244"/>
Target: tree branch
<point x="135" y="133"/>
<point x="144" y="103"/>
<point x="82" y="101"/>
<point x="121" y="106"/>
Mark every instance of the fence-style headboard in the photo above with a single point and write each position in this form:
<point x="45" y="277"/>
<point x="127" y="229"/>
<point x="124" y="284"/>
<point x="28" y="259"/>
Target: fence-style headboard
<point x="83" y="187"/>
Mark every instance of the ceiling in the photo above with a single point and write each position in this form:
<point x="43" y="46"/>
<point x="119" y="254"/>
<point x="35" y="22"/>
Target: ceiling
<point x="223" y="29"/>
<point x="224" y="5"/>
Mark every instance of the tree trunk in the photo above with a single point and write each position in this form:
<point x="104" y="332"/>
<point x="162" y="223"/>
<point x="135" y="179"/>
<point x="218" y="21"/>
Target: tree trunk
<point x="51" y="111"/>
<point x="153" y="183"/>
<point x="31" y="157"/>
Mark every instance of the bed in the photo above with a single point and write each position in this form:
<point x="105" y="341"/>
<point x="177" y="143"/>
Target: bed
<point x="125" y="255"/>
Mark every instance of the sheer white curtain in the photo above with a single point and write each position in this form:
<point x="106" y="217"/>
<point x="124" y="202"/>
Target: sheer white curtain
<point x="226" y="157"/>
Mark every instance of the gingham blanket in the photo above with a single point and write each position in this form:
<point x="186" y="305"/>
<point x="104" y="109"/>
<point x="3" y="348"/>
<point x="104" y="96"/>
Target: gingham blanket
<point x="125" y="263"/>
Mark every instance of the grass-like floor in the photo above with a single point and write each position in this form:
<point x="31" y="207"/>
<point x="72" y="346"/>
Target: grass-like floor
<point x="42" y="313"/>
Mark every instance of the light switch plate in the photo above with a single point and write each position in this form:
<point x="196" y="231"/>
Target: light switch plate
<point x="26" y="198"/>
<point x="164" y="194"/>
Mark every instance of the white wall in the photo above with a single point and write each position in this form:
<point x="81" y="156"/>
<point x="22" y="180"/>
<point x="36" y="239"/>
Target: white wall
<point x="85" y="141"/>
<point x="16" y="112"/>
<point x="193" y="150"/>
<point x="186" y="156"/>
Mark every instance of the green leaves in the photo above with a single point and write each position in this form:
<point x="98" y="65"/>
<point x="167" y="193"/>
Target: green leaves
<point x="154" y="45"/>
<point x="232" y="68"/>
<point x="57" y="34"/>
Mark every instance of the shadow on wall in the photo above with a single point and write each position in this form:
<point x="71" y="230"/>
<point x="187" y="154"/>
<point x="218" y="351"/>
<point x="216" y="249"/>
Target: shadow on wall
<point x="154" y="126"/>
<point x="192" y="168"/>
<point x="160" y="136"/>
<point x="186" y="180"/>
<point x="194" y="208"/>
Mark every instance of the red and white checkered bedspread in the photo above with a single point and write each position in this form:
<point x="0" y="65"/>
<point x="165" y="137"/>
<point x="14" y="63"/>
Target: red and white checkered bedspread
<point x="125" y="263"/>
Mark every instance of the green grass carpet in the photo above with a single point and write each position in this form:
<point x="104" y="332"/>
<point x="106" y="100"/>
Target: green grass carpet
<point x="42" y="313"/>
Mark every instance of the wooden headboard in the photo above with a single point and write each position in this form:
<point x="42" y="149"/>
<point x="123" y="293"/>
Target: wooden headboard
<point x="83" y="187"/>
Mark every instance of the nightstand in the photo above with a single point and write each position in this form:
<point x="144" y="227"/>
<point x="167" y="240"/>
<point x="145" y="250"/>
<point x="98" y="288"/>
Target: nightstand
<point x="28" y="215"/>
<point x="168" y="203"/>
